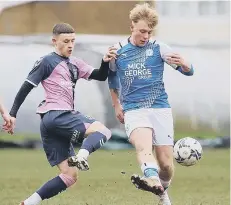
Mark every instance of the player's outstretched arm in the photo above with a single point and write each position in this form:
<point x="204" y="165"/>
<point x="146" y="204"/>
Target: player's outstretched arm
<point x="19" y="99"/>
<point x="39" y="72"/>
<point x="101" y="74"/>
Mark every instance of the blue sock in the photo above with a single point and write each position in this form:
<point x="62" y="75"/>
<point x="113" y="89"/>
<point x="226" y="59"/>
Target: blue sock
<point x="150" y="170"/>
<point x="93" y="142"/>
<point x="52" y="188"/>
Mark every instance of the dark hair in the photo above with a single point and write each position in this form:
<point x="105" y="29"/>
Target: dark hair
<point x="62" y="28"/>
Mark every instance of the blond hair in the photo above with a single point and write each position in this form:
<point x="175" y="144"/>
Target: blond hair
<point x="144" y="12"/>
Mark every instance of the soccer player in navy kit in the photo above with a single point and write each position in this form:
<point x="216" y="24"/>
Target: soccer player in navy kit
<point x="60" y="123"/>
<point x="141" y="103"/>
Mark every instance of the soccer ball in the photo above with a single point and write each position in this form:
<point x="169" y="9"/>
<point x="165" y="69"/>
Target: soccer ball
<point x="187" y="151"/>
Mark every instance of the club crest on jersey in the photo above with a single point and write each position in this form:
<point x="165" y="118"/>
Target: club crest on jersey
<point x="149" y="52"/>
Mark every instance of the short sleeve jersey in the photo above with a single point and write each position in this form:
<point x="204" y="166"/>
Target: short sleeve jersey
<point x="58" y="76"/>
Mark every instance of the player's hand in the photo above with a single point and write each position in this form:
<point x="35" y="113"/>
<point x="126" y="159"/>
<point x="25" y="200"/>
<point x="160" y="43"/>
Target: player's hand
<point x="111" y="54"/>
<point x="174" y="58"/>
<point x="119" y="113"/>
<point x="9" y="125"/>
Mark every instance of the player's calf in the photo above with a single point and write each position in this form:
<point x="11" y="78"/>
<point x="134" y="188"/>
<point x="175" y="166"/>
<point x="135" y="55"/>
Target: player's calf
<point x="166" y="173"/>
<point x="143" y="145"/>
<point x="50" y="189"/>
<point x="164" y="156"/>
<point x="53" y="187"/>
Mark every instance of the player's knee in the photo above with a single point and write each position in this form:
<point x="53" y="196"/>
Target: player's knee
<point x="71" y="174"/>
<point x="99" y="127"/>
<point x="69" y="180"/>
<point x="106" y="132"/>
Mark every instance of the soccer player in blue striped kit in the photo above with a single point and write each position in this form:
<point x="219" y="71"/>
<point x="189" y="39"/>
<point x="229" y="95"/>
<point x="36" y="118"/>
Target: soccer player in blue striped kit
<point x="141" y="102"/>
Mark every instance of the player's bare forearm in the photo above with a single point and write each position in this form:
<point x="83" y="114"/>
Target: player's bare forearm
<point x="115" y="96"/>
<point x="116" y="104"/>
<point x="2" y="108"/>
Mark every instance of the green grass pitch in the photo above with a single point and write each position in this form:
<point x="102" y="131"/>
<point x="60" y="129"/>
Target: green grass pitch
<point x="108" y="180"/>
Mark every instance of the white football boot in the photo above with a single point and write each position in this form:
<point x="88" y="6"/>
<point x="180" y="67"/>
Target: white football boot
<point x="79" y="162"/>
<point x="148" y="184"/>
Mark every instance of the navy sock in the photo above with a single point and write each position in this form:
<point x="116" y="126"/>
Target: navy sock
<point x="52" y="188"/>
<point x="94" y="141"/>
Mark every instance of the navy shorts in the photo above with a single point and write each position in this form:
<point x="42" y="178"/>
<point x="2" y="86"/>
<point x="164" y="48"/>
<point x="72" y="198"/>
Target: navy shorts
<point x="59" y="129"/>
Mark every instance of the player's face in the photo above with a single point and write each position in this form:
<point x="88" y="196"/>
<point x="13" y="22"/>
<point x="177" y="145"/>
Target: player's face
<point x="64" y="43"/>
<point x="141" y="32"/>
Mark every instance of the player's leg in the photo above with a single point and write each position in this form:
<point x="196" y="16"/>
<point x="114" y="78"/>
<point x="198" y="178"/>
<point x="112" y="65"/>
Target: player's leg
<point x="163" y="146"/>
<point x="66" y="178"/>
<point x="164" y="157"/>
<point x="140" y="132"/>
<point x="96" y="134"/>
<point x="57" y="149"/>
